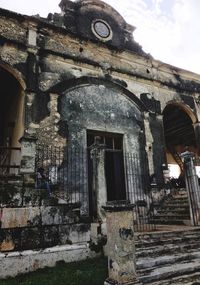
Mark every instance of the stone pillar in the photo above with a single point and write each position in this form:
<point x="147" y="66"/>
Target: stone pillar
<point x="197" y="134"/>
<point x="99" y="193"/>
<point x="28" y="152"/>
<point x="120" y="243"/>
<point x="192" y="186"/>
<point x="149" y="143"/>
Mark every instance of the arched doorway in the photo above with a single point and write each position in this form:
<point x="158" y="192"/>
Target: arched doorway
<point x="179" y="205"/>
<point x="11" y="120"/>
<point x="179" y="134"/>
<point x="101" y="109"/>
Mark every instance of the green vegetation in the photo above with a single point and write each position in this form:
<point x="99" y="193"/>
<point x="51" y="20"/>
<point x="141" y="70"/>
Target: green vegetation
<point x="89" y="272"/>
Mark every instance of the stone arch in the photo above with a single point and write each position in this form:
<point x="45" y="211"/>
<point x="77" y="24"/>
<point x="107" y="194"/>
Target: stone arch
<point x="11" y="113"/>
<point x="179" y="121"/>
<point x="185" y="108"/>
<point x="83" y="81"/>
<point x="107" y="95"/>
<point x="15" y="73"/>
<point x="92" y="107"/>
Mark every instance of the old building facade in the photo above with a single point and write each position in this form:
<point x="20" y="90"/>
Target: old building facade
<point x="81" y="100"/>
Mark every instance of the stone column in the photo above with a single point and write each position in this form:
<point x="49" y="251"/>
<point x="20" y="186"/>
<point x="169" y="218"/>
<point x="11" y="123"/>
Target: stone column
<point x="120" y="244"/>
<point x="192" y="186"/>
<point x="99" y="192"/>
<point x="149" y="143"/>
<point x="197" y="133"/>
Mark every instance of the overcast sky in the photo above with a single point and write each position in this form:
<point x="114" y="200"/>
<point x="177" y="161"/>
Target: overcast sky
<point x="167" y="29"/>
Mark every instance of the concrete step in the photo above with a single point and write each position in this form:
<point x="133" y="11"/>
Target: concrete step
<point x="165" y="241"/>
<point x="180" y="195"/>
<point x="179" y="232"/>
<point x="168" y="249"/>
<point x="169" y="271"/>
<point x="188" y="279"/>
<point x="167" y="258"/>
<point x="175" y="207"/>
<point x="177" y="198"/>
<point x="172" y="216"/>
<point x="173" y="210"/>
<point x="171" y="204"/>
<point x="169" y="222"/>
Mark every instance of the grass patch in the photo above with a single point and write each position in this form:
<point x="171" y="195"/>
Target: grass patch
<point x="88" y="272"/>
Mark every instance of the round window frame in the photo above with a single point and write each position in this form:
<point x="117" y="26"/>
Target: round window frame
<point x="97" y="35"/>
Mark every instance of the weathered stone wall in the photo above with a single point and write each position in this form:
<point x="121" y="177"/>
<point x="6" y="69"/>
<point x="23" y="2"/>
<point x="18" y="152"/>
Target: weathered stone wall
<point x="47" y="130"/>
<point x="72" y="84"/>
<point x="31" y="219"/>
<point x="102" y="108"/>
<point x="15" y="263"/>
<point x="34" y="227"/>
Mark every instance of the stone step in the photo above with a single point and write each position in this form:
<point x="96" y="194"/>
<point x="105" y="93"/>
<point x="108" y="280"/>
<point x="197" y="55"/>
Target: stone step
<point x="172" y="216"/>
<point x="168" y="271"/>
<point x="169" y="222"/>
<point x="175" y="204"/>
<point x="188" y="279"/>
<point x="173" y="209"/>
<point x="167" y="240"/>
<point x="179" y="193"/>
<point x="177" y="198"/>
<point x="159" y="261"/>
<point x="168" y="249"/>
<point x="168" y="234"/>
<point x="180" y="220"/>
<point x="166" y="258"/>
<point x="164" y="241"/>
<point x="174" y="212"/>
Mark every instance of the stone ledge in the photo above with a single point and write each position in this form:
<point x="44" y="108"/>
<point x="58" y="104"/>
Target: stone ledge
<point x="15" y="263"/>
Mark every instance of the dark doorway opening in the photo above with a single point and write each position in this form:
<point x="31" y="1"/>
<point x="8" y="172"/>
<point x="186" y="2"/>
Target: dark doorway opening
<point x="115" y="179"/>
<point x="179" y="134"/>
<point x="114" y="167"/>
<point x="11" y="122"/>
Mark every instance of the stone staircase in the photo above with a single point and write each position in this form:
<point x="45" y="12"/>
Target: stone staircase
<point x="174" y="210"/>
<point x="169" y="258"/>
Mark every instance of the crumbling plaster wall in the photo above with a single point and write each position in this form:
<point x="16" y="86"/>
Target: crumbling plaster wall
<point x="102" y="108"/>
<point x="47" y="61"/>
<point x="47" y="58"/>
<point x="139" y="74"/>
<point x="52" y="57"/>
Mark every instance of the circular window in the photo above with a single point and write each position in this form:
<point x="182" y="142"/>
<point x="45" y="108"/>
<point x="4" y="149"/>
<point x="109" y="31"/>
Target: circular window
<point x="101" y="30"/>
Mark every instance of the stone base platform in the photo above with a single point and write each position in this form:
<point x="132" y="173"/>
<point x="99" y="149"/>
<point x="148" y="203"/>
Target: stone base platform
<point x="19" y="262"/>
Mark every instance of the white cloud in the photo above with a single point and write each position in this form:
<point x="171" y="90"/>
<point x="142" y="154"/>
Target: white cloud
<point x="170" y="37"/>
<point x="27" y="7"/>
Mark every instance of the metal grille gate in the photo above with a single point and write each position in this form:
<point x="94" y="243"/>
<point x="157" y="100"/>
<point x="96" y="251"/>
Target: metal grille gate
<point x="67" y="172"/>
